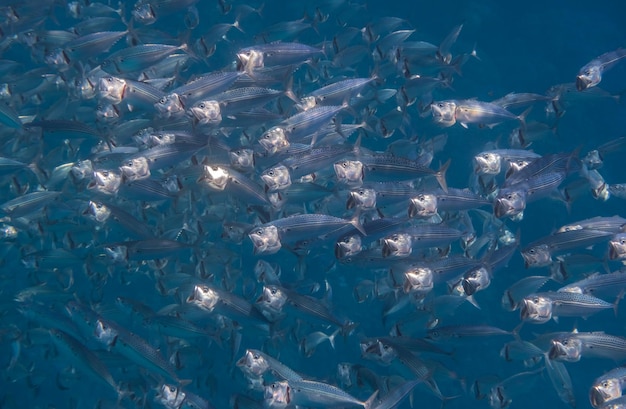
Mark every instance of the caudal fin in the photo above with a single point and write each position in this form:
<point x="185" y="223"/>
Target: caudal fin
<point x="441" y="176"/>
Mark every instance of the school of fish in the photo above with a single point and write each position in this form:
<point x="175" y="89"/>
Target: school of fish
<point x="202" y="208"/>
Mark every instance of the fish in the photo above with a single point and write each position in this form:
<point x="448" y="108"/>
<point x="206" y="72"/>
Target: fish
<point x="541" y="307"/>
<point x="447" y="113"/>
<point x="573" y="347"/>
<point x="311" y="393"/>
<point x="607" y="387"/>
<point x="590" y="74"/>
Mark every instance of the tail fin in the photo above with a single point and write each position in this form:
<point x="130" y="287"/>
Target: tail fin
<point x="368" y="404"/>
<point x="441" y="175"/>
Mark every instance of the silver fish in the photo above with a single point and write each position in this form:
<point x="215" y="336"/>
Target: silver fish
<point x="572" y="347"/>
<point x="590" y="74"/>
<point x="608" y="387"/>
<point x="541" y="307"/>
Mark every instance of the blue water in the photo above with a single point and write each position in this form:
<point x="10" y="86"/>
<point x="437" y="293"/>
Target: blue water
<point x="527" y="47"/>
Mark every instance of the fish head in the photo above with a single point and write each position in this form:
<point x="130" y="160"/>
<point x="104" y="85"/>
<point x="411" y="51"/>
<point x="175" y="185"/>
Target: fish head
<point x="84" y="88"/>
<point x="82" y="170"/>
<point x="266" y="273"/>
<point x="170" y="396"/>
<point x="378" y="351"/>
<point x="242" y="159"/>
<point x="509" y="203"/>
<point x="160" y="138"/>
<point x="418" y="281"/>
<point x="170" y="106"/>
<point x="487" y="163"/>
<point x="277" y="394"/>
<point x="397" y="245"/>
<point x="345" y="374"/>
<point x="423" y="205"/>
<point x="600" y="191"/>
<point x="536" y="308"/>
<point x="274" y="140"/>
<point x="537" y="256"/>
<point x="361" y="198"/>
<point x="144" y="13"/>
<point x="204" y="297"/>
<point x="276" y="178"/>
<point x="593" y="159"/>
<point x="206" y="112"/>
<point x="265" y="239"/>
<point x="105" y="334"/>
<point x="475" y="280"/>
<point x="617" y="247"/>
<point x="107" y="112"/>
<point x="272" y="298"/>
<point x="515" y="166"/>
<point x="307" y="103"/>
<point x="135" y="169"/>
<point x="111" y="89"/>
<point x="234" y="232"/>
<point x="568" y="349"/>
<point x="348" y="246"/>
<point x="253" y="363"/>
<point x="215" y="177"/>
<point x="116" y="254"/>
<point x="588" y="77"/>
<point x="249" y="59"/>
<point x="444" y="112"/>
<point x="58" y="59"/>
<point x="498" y="398"/>
<point x="349" y="172"/>
<point x="97" y="211"/>
<point x="604" y="390"/>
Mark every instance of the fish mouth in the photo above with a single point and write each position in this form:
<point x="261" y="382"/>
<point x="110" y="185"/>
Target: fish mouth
<point x="351" y="202"/>
<point x="387" y="249"/>
<point x="469" y="287"/>
<point x="597" y="396"/>
<point x="614" y="252"/>
<point x="554" y="352"/>
<point x="582" y="83"/>
<point x="500" y="209"/>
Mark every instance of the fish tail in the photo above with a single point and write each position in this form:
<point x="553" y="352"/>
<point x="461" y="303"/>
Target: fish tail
<point x="356" y="222"/>
<point x="617" y="300"/>
<point x="370" y="401"/>
<point x="523" y="115"/>
<point x="288" y="85"/>
<point x="441" y="175"/>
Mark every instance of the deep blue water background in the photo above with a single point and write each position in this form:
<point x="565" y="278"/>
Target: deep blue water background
<point x="523" y="47"/>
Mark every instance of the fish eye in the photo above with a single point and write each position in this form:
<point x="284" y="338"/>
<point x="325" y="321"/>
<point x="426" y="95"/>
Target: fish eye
<point x="172" y="389"/>
<point x="531" y="251"/>
<point x="605" y="384"/>
<point x="105" y="173"/>
<point x="535" y="299"/>
<point x="162" y="100"/>
<point x="204" y="289"/>
<point x="255" y="356"/>
<point x="110" y="79"/>
<point x="273" y="291"/>
<point x="440" y="105"/>
<point x="259" y="232"/>
<point x="509" y="196"/>
<point x="270" y="173"/>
